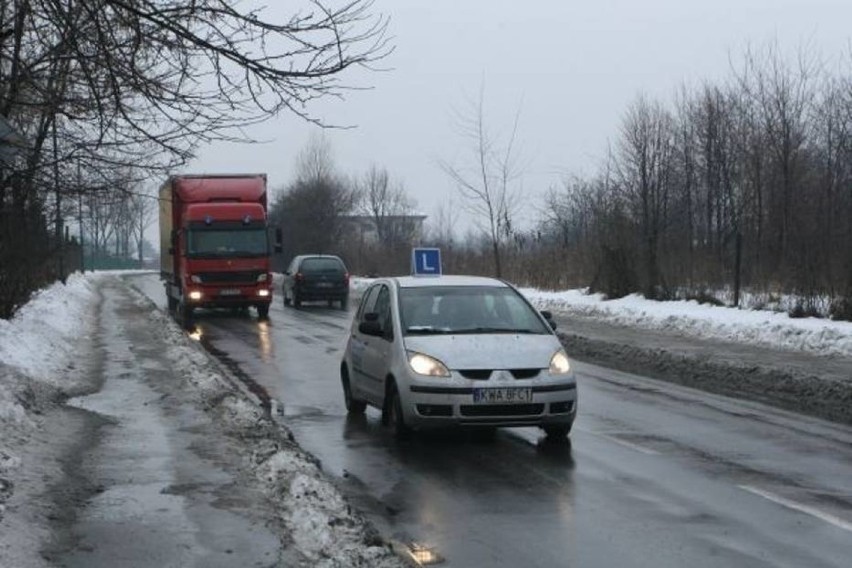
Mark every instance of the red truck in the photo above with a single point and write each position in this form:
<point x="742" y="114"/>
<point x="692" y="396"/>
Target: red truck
<point x="214" y="243"/>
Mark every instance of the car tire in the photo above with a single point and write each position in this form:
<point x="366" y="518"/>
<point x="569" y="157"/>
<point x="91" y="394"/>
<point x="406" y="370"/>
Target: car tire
<point x="395" y="417"/>
<point x="263" y="312"/>
<point x="344" y="303"/>
<point x="353" y="405"/>
<point x="557" y="432"/>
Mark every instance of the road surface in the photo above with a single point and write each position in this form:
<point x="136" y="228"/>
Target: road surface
<point x="655" y="475"/>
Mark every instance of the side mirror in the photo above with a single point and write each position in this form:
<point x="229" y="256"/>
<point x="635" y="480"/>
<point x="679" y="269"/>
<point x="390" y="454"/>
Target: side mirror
<point x="549" y="317"/>
<point x="278" y="240"/>
<point x="370" y="328"/>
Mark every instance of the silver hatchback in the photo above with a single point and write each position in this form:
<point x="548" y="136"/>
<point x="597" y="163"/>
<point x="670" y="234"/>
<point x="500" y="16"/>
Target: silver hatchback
<point x="456" y="350"/>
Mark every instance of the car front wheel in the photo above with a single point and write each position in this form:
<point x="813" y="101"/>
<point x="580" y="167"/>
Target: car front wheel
<point x="353" y="405"/>
<point x="396" y="419"/>
<point x="557" y="432"/>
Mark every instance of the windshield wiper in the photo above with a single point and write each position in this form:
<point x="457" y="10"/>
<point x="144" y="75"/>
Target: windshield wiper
<point x="426" y="330"/>
<point x="472" y="330"/>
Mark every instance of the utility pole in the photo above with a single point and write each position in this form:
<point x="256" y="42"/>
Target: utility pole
<point x="60" y="241"/>
<point x="80" y="217"/>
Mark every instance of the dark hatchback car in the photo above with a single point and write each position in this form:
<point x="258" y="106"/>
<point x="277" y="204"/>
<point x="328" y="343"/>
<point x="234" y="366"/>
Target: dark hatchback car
<point x="315" y="277"/>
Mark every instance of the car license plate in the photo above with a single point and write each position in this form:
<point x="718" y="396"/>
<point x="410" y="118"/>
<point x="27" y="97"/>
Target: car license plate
<point x="508" y="395"/>
<point x="230" y="292"/>
<point x="324" y="285"/>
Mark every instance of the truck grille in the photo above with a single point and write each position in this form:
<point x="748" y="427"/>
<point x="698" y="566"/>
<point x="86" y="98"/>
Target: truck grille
<point x="245" y="277"/>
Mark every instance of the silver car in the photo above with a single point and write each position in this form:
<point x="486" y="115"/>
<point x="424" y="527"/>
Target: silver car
<point x="456" y="350"/>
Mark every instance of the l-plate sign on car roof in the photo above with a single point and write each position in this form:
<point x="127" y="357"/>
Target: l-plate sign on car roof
<point x="426" y="262"/>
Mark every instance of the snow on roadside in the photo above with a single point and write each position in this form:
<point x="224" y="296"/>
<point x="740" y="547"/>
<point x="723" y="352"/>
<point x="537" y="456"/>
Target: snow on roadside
<point x="689" y="318"/>
<point x="321" y="524"/>
<point x="37" y="361"/>
<point x="38" y="352"/>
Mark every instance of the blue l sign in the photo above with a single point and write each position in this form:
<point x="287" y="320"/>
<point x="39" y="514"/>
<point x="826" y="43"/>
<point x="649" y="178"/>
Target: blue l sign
<point x="426" y="261"/>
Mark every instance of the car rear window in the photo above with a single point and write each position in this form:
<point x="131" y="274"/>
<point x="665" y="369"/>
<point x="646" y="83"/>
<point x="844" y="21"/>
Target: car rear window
<point x="322" y="265"/>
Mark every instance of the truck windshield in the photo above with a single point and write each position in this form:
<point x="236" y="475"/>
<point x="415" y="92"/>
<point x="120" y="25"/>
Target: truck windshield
<point x="217" y="243"/>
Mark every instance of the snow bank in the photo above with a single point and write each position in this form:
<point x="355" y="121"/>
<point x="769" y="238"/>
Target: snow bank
<point x="757" y="327"/>
<point x="39" y="341"/>
<point x="689" y="318"/>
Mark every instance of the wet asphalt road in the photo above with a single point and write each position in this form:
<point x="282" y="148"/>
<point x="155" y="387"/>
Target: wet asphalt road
<point x="655" y="475"/>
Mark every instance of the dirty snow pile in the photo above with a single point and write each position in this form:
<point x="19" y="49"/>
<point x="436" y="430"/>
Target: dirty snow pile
<point x="37" y="361"/>
<point x="38" y="367"/>
<point x="320" y="523"/>
<point x="689" y="318"/>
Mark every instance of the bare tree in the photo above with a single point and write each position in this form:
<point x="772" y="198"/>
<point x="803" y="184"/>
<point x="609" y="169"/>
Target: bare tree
<point x="388" y="206"/>
<point x="118" y="84"/>
<point x="488" y="183"/>
<point x="311" y="209"/>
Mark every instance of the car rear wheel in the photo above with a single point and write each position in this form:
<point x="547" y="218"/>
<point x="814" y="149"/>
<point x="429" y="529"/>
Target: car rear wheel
<point x="344" y="303"/>
<point x="353" y="405"/>
<point x="297" y="301"/>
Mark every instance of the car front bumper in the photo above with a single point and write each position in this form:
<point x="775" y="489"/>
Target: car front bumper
<point x="435" y="406"/>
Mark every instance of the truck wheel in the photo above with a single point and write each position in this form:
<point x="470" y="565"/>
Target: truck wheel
<point x="172" y="303"/>
<point x="186" y="315"/>
<point x="263" y="311"/>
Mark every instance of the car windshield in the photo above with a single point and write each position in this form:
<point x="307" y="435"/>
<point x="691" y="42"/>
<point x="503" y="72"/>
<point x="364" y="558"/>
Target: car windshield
<point x="227" y="243"/>
<point x="432" y="310"/>
<point x="321" y="265"/>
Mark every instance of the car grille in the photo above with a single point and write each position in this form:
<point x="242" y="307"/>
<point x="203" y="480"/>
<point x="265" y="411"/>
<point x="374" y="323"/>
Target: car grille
<point x="501" y="409"/>
<point x="561" y="407"/>
<point x="244" y="277"/>
<point x="476" y="374"/>
<point x="485" y="374"/>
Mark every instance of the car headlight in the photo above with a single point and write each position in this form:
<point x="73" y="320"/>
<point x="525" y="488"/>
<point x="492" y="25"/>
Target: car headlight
<point x="262" y="277"/>
<point x="427" y="366"/>
<point x="559" y="364"/>
<point x="195" y="279"/>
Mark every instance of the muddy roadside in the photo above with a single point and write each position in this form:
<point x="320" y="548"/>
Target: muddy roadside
<point x="819" y="386"/>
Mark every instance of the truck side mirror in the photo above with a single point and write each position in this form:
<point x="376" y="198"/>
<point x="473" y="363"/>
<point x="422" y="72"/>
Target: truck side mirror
<point x="278" y="240"/>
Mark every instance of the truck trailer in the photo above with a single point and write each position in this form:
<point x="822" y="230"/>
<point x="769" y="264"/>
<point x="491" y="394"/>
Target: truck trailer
<point x="214" y="243"/>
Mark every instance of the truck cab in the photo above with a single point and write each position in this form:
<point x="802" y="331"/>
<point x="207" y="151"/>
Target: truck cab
<point x="215" y="245"/>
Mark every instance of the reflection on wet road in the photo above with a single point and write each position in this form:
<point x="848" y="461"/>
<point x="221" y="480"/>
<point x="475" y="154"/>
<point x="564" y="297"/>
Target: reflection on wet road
<point x="655" y="475"/>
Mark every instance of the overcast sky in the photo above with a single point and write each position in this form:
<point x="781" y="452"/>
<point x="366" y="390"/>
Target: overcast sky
<point x="572" y="68"/>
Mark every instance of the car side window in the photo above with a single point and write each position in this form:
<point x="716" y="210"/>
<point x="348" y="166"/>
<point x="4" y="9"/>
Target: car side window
<point x="367" y="302"/>
<point x="383" y="308"/>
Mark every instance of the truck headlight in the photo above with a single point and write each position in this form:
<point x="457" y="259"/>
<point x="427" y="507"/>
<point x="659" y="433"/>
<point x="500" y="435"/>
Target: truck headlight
<point x="195" y="279"/>
<point x="427" y="366"/>
<point x="195" y="295"/>
<point x="262" y="277"/>
<point x="263" y="293"/>
<point x="559" y="364"/>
